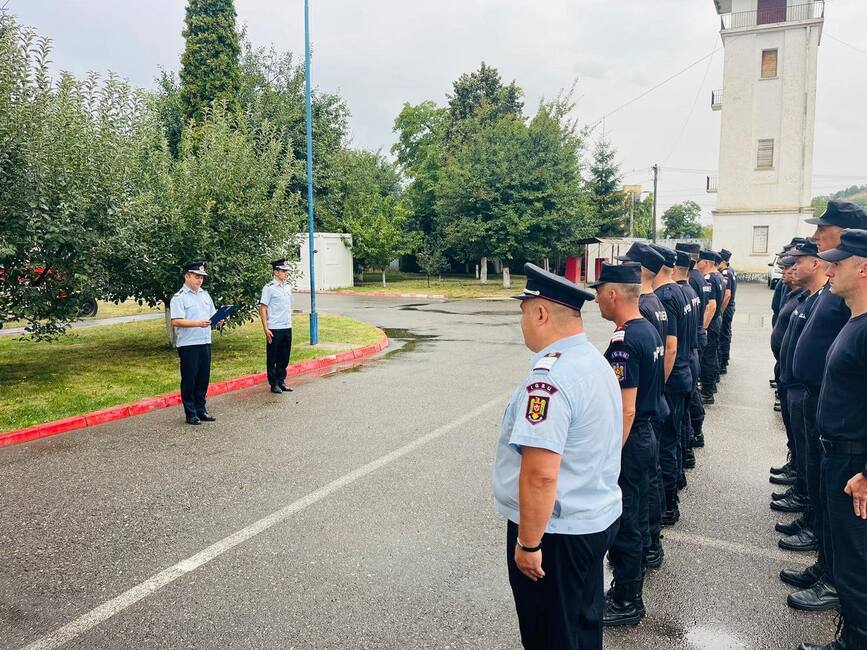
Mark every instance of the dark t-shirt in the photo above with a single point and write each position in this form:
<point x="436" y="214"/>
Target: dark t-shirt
<point x="717" y="292"/>
<point x="842" y="404"/>
<point x="636" y="355"/>
<point x="654" y="312"/>
<point x="827" y="318"/>
<point x="731" y="283"/>
<point x="694" y="303"/>
<point x="785" y="313"/>
<point x="672" y="298"/>
<point x="797" y="321"/>
<point x="702" y="288"/>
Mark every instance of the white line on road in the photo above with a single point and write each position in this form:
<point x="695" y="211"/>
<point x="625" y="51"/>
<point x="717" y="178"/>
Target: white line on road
<point x="738" y="549"/>
<point x="108" y="609"/>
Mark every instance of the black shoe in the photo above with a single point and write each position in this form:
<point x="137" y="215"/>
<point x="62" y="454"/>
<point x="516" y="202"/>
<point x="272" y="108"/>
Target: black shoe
<point x="792" y="504"/>
<point x="782" y="469"/>
<point x="803" y="540"/>
<point x="193" y="420"/>
<point x="284" y="388"/>
<point x="681" y="482"/>
<point x="698" y="440"/>
<point x="707" y="398"/>
<point x="723" y="371"/>
<point x="782" y="479"/>
<point x="801" y="578"/>
<point x="783" y="495"/>
<point x="834" y="645"/>
<point x="713" y="389"/>
<point x="792" y="527"/>
<point x="654" y="556"/>
<point x="777" y="407"/>
<point x="670" y="517"/>
<point x="821" y="597"/>
<point x="689" y="459"/>
<point x="204" y="416"/>
<point x="276" y="389"/>
<point x="625" y="607"/>
<point x="773" y="383"/>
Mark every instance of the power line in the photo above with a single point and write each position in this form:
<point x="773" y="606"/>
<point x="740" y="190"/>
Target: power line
<point x="650" y="90"/>
<point x="691" y="109"/>
<point x="840" y="40"/>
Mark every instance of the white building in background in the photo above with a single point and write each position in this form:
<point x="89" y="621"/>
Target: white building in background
<point x="768" y="108"/>
<point x="333" y="261"/>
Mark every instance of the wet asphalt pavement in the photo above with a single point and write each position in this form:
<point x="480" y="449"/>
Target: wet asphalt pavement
<point x="355" y="512"/>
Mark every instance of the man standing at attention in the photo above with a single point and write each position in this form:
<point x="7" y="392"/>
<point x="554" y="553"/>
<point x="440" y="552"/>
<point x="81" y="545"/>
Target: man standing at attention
<point x="191" y="309"/>
<point x="556" y="469"/>
<point x="275" y="312"/>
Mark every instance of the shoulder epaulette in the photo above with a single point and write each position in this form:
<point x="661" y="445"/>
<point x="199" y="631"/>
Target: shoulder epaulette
<point x="707" y="277"/>
<point x="618" y="336"/>
<point x="547" y="362"/>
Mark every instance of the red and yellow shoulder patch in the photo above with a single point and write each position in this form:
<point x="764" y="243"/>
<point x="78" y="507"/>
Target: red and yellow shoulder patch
<point x="537" y="408"/>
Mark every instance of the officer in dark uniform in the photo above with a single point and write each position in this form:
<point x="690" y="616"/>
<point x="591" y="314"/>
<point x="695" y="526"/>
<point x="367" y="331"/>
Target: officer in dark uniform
<point x="683" y="264"/>
<point x="190" y="310"/>
<point x="842" y="425"/>
<point x="701" y="287"/>
<point x="707" y="264"/>
<point x="635" y="354"/>
<point x="678" y="383"/>
<point x="782" y="288"/>
<point x="731" y="280"/>
<point x="648" y="303"/>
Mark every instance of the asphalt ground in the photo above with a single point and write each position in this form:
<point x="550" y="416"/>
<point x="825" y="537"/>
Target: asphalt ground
<point x="356" y="511"/>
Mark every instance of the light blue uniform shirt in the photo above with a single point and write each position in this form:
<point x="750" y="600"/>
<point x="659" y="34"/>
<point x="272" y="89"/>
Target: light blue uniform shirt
<point x="192" y="305"/>
<point x="569" y="404"/>
<point x="277" y="297"/>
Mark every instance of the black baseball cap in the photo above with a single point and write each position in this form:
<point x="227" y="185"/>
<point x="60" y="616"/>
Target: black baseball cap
<point x="550" y="286"/>
<point x="195" y="267"/>
<point x="787" y="261"/>
<point x="710" y="255"/>
<point x="629" y="273"/>
<point x="669" y="256"/>
<point x="726" y="255"/>
<point x="844" y="214"/>
<point x="645" y="256"/>
<point x="808" y="249"/>
<point x="684" y="260"/>
<point x="688" y="247"/>
<point x="852" y="242"/>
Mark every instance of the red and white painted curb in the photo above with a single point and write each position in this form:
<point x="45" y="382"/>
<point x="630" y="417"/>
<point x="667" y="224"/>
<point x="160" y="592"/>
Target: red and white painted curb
<point x="375" y="294"/>
<point x="174" y="399"/>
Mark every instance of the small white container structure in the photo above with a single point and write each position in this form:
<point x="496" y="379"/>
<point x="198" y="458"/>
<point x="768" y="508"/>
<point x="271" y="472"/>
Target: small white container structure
<point x="333" y="261"/>
<point x="768" y="114"/>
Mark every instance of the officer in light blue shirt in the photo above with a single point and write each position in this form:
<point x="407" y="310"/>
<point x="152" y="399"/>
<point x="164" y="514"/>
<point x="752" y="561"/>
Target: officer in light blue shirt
<point x="275" y="312"/>
<point x="191" y="309"/>
<point x="556" y="470"/>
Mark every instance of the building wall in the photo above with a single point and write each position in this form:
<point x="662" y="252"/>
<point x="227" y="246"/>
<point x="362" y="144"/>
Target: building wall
<point x="333" y="262"/>
<point x="736" y="233"/>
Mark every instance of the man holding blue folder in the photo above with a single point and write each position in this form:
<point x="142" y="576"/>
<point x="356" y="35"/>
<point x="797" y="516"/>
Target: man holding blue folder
<point x="191" y="310"/>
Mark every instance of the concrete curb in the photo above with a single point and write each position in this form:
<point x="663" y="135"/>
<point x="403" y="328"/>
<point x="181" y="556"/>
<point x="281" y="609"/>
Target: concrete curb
<point x="375" y="294"/>
<point x="149" y="404"/>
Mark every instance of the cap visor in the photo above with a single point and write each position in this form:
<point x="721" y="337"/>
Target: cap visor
<point x="625" y="258"/>
<point x="802" y="254"/>
<point x="598" y="283"/>
<point x="198" y="272"/>
<point x="835" y="255"/>
<point x="817" y="221"/>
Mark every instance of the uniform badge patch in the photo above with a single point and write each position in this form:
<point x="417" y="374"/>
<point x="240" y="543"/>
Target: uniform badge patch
<point x="619" y="370"/>
<point x="543" y="386"/>
<point x="537" y="408"/>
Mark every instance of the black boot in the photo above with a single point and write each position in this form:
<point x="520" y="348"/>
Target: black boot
<point x="707" y="398"/>
<point x="783" y="495"/>
<point x="793" y="527"/>
<point x="802" y="578"/>
<point x="821" y="597"/>
<point x="698" y="440"/>
<point x="689" y="459"/>
<point x="783" y="479"/>
<point x="803" y="540"/>
<point x="783" y="469"/>
<point x="794" y="503"/>
<point x="655" y="554"/>
<point x="625" y="607"/>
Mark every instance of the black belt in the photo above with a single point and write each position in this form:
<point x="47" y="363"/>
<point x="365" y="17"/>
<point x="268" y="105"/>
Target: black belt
<point x="848" y="447"/>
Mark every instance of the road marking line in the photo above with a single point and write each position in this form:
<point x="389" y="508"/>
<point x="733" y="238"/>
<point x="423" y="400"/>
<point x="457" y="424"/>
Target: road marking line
<point x="738" y="549"/>
<point x="109" y="608"/>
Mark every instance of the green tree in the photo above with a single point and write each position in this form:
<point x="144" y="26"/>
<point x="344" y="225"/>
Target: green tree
<point x="65" y="156"/>
<point x="682" y="220"/>
<point x="224" y="200"/>
<point x="642" y="218"/>
<point x="605" y="195"/>
<point x="209" y="64"/>
<point x="431" y="256"/>
<point x="480" y="97"/>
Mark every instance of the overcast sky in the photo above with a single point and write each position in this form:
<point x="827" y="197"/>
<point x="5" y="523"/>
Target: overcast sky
<point x="379" y="54"/>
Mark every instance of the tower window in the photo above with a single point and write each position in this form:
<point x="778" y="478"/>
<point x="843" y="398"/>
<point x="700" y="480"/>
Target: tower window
<point x="769" y="64"/>
<point x="760" y="240"/>
<point x="765" y="155"/>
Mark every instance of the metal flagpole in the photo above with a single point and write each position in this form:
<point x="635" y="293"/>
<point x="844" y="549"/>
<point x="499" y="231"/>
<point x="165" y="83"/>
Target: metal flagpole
<point x="314" y="317"/>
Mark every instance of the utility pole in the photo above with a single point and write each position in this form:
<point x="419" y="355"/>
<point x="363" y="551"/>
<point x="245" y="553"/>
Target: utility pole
<point x="314" y="316"/>
<point x="655" y="178"/>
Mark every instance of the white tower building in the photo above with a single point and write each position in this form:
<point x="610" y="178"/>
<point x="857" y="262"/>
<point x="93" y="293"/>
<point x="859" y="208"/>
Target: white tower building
<point x="768" y="108"/>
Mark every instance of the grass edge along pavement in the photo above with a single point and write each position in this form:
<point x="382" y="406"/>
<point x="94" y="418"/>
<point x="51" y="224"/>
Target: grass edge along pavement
<point x="368" y="340"/>
<point x="414" y="285"/>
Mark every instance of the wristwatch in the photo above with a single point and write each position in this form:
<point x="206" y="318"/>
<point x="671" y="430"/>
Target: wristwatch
<point x="530" y="549"/>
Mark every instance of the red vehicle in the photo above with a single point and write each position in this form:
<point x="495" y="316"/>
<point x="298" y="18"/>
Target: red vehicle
<point x="88" y="306"/>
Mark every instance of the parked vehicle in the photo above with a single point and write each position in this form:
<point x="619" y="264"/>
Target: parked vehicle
<point x="775" y="273"/>
<point x="88" y="306"/>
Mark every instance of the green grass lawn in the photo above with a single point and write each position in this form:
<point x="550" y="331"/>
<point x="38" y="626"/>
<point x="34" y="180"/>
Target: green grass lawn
<point x="450" y="286"/>
<point x="116" y="364"/>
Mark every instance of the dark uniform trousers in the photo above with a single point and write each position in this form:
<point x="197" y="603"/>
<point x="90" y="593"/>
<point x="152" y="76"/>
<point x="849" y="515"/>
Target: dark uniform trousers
<point x="696" y="408"/>
<point x="725" y="337"/>
<point x="813" y="467"/>
<point x="710" y="361"/>
<point x="670" y="460"/>
<point x="656" y="496"/>
<point x="783" y="393"/>
<point x="195" y="377"/>
<point x="687" y="431"/>
<point x="796" y="394"/>
<point x="847" y="534"/>
<point x="563" y="610"/>
<point x="637" y="460"/>
<point x="277" y="355"/>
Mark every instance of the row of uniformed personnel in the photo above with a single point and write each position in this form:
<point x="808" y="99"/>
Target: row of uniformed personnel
<point x="191" y="310"/>
<point x="591" y="461"/>
<point x="819" y="339"/>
